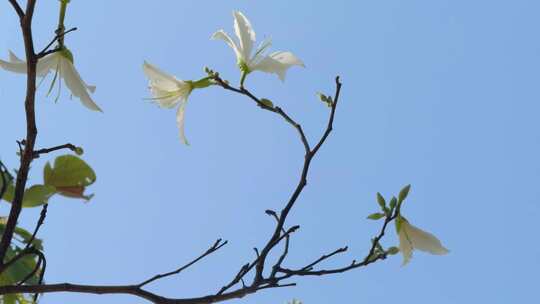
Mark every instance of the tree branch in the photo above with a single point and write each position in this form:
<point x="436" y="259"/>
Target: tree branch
<point x="31" y="129"/>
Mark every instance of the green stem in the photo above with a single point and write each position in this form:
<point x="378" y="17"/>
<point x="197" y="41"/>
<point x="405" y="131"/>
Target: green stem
<point x="242" y="79"/>
<point x="62" y="16"/>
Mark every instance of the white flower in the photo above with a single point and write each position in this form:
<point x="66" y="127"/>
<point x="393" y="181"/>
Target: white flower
<point x="61" y="62"/>
<point x="277" y="62"/>
<point x="169" y="92"/>
<point x="411" y="237"/>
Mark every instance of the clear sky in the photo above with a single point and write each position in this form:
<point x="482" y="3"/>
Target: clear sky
<point x="440" y="94"/>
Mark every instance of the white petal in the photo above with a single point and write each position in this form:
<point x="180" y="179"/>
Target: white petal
<point x="180" y="122"/>
<point x="14" y="65"/>
<point x="76" y="85"/>
<point x="47" y="63"/>
<point x="17" y="65"/>
<point x="221" y="35"/>
<point x="166" y="89"/>
<point x="425" y="241"/>
<point x="405" y="246"/>
<point x="244" y="32"/>
<point x="13" y="58"/>
<point x="277" y="63"/>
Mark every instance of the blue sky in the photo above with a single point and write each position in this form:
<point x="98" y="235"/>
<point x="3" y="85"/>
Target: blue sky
<point x="439" y="94"/>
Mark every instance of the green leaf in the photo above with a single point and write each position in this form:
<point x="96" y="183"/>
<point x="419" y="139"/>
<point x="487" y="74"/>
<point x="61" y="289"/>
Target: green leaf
<point x="23" y="235"/>
<point x="404" y="192"/>
<point x="376" y="216"/>
<point x="392" y="250"/>
<point x="37" y="195"/>
<point x="20" y="269"/>
<point x="10" y="188"/>
<point x="70" y="176"/>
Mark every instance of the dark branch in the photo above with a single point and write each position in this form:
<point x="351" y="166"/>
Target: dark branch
<point x="40" y="222"/>
<point x="216" y="246"/>
<point x="31" y="129"/>
<point x="58" y="36"/>
<point x="71" y="147"/>
<point x="17" y="8"/>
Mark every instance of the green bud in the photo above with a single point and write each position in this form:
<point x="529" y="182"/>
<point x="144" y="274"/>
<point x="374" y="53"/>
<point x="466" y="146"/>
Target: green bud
<point x="392" y="250"/>
<point x="326" y="99"/>
<point x="267" y="102"/>
<point x="375" y="216"/>
<point x="79" y="151"/>
<point x="381" y="201"/>
<point x="404" y="192"/>
<point x="393" y="203"/>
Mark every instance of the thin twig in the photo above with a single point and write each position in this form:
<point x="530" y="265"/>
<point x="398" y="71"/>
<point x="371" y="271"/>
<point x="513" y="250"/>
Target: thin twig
<point x="69" y="146"/>
<point x="216" y="246"/>
<point x="46" y="50"/>
<point x="40" y="222"/>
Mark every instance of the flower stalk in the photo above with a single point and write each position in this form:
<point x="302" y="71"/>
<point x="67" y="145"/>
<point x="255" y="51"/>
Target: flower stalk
<point x="61" y="28"/>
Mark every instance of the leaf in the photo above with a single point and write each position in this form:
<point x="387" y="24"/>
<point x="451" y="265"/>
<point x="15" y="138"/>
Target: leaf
<point x="20" y="269"/>
<point x="37" y="195"/>
<point x="70" y="176"/>
<point x="375" y="216"/>
<point x="10" y="188"/>
<point x="22" y="233"/>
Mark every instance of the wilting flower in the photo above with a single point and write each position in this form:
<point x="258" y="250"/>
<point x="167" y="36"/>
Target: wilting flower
<point x="411" y="237"/>
<point x="61" y="62"/>
<point x="169" y="92"/>
<point x="277" y="62"/>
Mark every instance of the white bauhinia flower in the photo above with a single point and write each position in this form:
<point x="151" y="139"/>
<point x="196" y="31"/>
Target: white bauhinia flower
<point x="277" y="62"/>
<point x="61" y="62"/>
<point x="411" y="237"/>
<point x="168" y="92"/>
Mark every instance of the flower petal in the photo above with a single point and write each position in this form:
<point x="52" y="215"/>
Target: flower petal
<point x="425" y="241"/>
<point x="17" y="65"/>
<point x="277" y="63"/>
<point x="180" y="122"/>
<point x="76" y="85"/>
<point x="245" y="34"/>
<point x="47" y="63"/>
<point x="166" y="89"/>
<point x="14" y="65"/>
<point x="405" y="245"/>
<point x="221" y="35"/>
